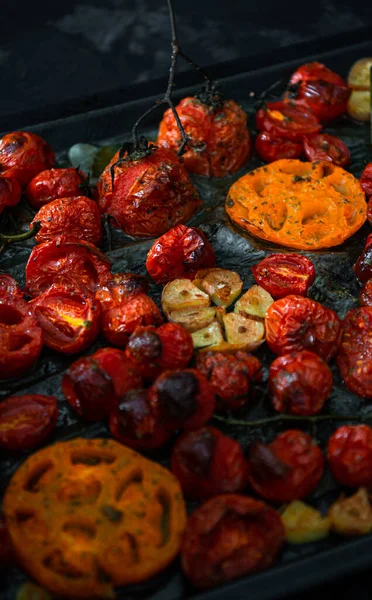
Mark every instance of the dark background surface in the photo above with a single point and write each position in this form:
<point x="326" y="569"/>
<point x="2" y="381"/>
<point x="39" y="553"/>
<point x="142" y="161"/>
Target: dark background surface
<point x="70" y="56"/>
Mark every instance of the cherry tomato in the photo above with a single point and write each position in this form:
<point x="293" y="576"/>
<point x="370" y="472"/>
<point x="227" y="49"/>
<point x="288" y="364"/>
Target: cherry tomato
<point x="123" y="372"/>
<point x="363" y="266"/>
<point x="27" y="421"/>
<point x="119" y="287"/>
<point x="354" y="358"/>
<point x="9" y="287"/>
<point x="23" y="155"/>
<point x="350" y="455"/>
<point x="184" y="399"/>
<point x="287" y="121"/>
<point x="300" y="383"/>
<point x="150" y="194"/>
<point x="135" y="422"/>
<point x="284" y="274"/>
<point x="79" y="216"/>
<point x="179" y="254"/>
<point x="366" y="182"/>
<point x="289" y="468"/>
<point x="7" y="556"/>
<point x="366" y="294"/>
<point x="65" y="260"/>
<point x="295" y="323"/>
<point x="56" y="183"/>
<point x="70" y="319"/>
<point x="325" y="147"/>
<point x="21" y="338"/>
<point x="269" y="147"/>
<point x="230" y="536"/>
<point x="319" y="89"/>
<point x="230" y="375"/>
<point x="10" y="192"/>
<point x="206" y="463"/>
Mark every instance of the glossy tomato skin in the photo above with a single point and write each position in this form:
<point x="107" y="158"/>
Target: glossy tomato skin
<point x="23" y="155"/>
<point x="183" y="398"/>
<point x="219" y="141"/>
<point x="179" y="254"/>
<point x="120" y="287"/>
<point x="270" y="147"/>
<point x="285" y="274"/>
<point x="289" y="468"/>
<point x="55" y="183"/>
<point x="10" y="192"/>
<point x="300" y="383"/>
<point x="70" y="319"/>
<point x="123" y="372"/>
<point x="326" y="147"/>
<point x="207" y="463"/>
<point x="79" y="216"/>
<point x="295" y="323"/>
<point x="365" y="297"/>
<point x="363" y="266"/>
<point x="354" y="358"/>
<point x="27" y="421"/>
<point x="366" y="181"/>
<point x="7" y="554"/>
<point x="286" y="121"/>
<point x="230" y="536"/>
<point x="231" y="376"/>
<point x="9" y="287"/>
<point x="150" y="195"/>
<point x="350" y="455"/>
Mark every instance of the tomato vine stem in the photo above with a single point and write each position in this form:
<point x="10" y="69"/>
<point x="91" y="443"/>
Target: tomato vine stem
<point x="6" y="239"/>
<point x="291" y="418"/>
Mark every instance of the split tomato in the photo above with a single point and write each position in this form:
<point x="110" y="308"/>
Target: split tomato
<point x="270" y="147"/>
<point x="350" y="455"/>
<point x="287" y="121"/>
<point x="354" y="358"/>
<point x="325" y="147"/>
<point x="363" y="266"/>
<point x="56" y="183"/>
<point x="284" y="274"/>
<point x="10" y="192"/>
<point x="23" y="155"/>
<point x="27" y="421"/>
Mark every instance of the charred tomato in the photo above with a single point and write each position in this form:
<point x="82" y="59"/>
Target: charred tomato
<point x="284" y="274"/>
<point x="9" y="287"/>
<point x="365" y="297"/>
<point x="56" y="183"/>
<point x="269" y="147"/>
<point x="286" y="121"/>
<point x="27" y="421"/>
<point x="123" y="372"/>
<point x="23" y="155"/>
<point x="363" y="266"/>
<point x="350" y="455"/>
<point x="120" y="287"/>
<point x="326" y="147"/>
<point x="366" y="182"/>
<point x="10" y="192"/>
<point x="354" y="358"/>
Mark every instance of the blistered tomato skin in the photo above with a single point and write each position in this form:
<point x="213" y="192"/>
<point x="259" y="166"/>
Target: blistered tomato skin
<point x="120" y="287"/>
<point x="9" y="287"/>
<point x="27" y="421"/>
<point x="363" y="266"/>
<point x="300" y="383"/>
<point x="230" y="536"/>
<point x="289" y="468"/>
<point x="325" y="147"/>
<point x="286" y="121"/>
<point x="179" y="254"/>
<point x="285" y="274"/>
<point x="366" y="294"/>
<point x="207" y="463"/>
<point x="23" y="155"/>
<point x="56" y="183"/>
<point x="366" y="181"/>
<point x="350" y="455"/>
<point x="270" y="147"/>
<point x="10" y="192"/>
<point x="354" y="358"/>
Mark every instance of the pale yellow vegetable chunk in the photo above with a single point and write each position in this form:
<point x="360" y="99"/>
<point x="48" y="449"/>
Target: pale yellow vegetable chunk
<point x="303" y="523"/>
<point x="208" y="336"/>
<point x="221" y="285"/>
<point x="247" y="333"/>
<point x="180" y="294"/>
<point x="352" y="515"/>
<point x="255" y="302"/>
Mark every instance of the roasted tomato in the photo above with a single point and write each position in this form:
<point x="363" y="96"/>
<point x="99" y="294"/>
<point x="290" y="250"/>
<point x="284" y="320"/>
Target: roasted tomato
<point x="66" y="260"/>
<point x="27" y="421"/>
<point x="23" y="155"/>
<point x="135" y="422"/>
<point x="207" y="463"/>
<point x="119" y="287"/>
<point x="78" y="216"/>
<point x="366" y="181"/>
<point x="363" y="266"/>
<point x="7" y="556"/>
<point x="354" y="358"/>
<point x="286" y="121"/>
<point x="295" y="323"/>
<point x="184" y="399"/>
<point x="350" y="455"/>
<point x="320" y="90"/>
<point x="179" y="254"/>
<point x="119" y="322"/>
<point x="70" y="319"/>
<point x="230" y="375"/>
<point x="56" y="183"/>
<point x="21" y="338"/>
<point x="149" y="195"/>
<point x="269" y="147"/>
<point x="123" y="372"/>
<point x="230" y="536"/>
<point x="10" y="192"/>
<point x="300" y="383"/>
<point x="325" y="147"/>
<point x="365" y="297"/>
<point x="167" y="348"/>
<point x="284" y="274"/>
<point x="219" y="141"/>
<point x="288" y="469"/>
<point x="9" y="287"/>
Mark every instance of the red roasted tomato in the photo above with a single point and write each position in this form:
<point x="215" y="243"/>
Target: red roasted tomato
<point x="230" y="375"/>
<point x="230" y="536"/>
<point x="23" y="155"/>
<point x="320" y="90"/>
<point x="354" y="358"/>
<point x="150" y="194"/>
<point x="56" y="183"/>
<point x="363" y="266"/>
<point x="9" y="287"/>
<point x="269" y="147"/>
<point x="78" y="216"/>
<point x="184" y="399"/>
<point x="123" y="372"/>
<point x="300" y="383"/>
<point x="287" y="121"/>
<point x="350" y="455"/>
<point x="325" y="147"/>
<point x="66" y="260"/>
<point x="295" y="323"/>
<point x="119" y="287"/>
<point x="219" y="141"/>
<point x="289" y="468"/>
<point x="284" y="274"/>
<point x="10" y="192"/>
<point x="179" y="254"/>
<point x="206" y="463"/>
<point x="366" y="182"/>
<point x="365" y="297"/>
<point x="27" y="421"/>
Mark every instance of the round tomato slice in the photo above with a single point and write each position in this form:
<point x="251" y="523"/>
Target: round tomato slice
<point x="366" y="183"/>
<point x="350" y="455"/>
<point x="27" y="421"/>
<point x="354" y="358"/>
<point x="270" y="147"/>
<point x="325" y="147"/>
<point x="285" y="120"/>
<point x="284" y="274"/>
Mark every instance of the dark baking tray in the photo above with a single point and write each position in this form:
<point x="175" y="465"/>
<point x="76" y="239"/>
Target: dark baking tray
<point x="299" y="567"/>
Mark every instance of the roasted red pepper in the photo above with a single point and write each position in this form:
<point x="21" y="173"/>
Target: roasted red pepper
<point x="27" y="421"/>
<point x="23" y="155"/>
<point x="284" y="274"/>
<point x="286" y="121"/>
<point x="354" y="358"/>
<point x="350" y="455"/>
<point x="325" y="147"/>
<point x="56" y="183"/>
<point x="10" y="192"/>
<point x="270" y="147"/>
